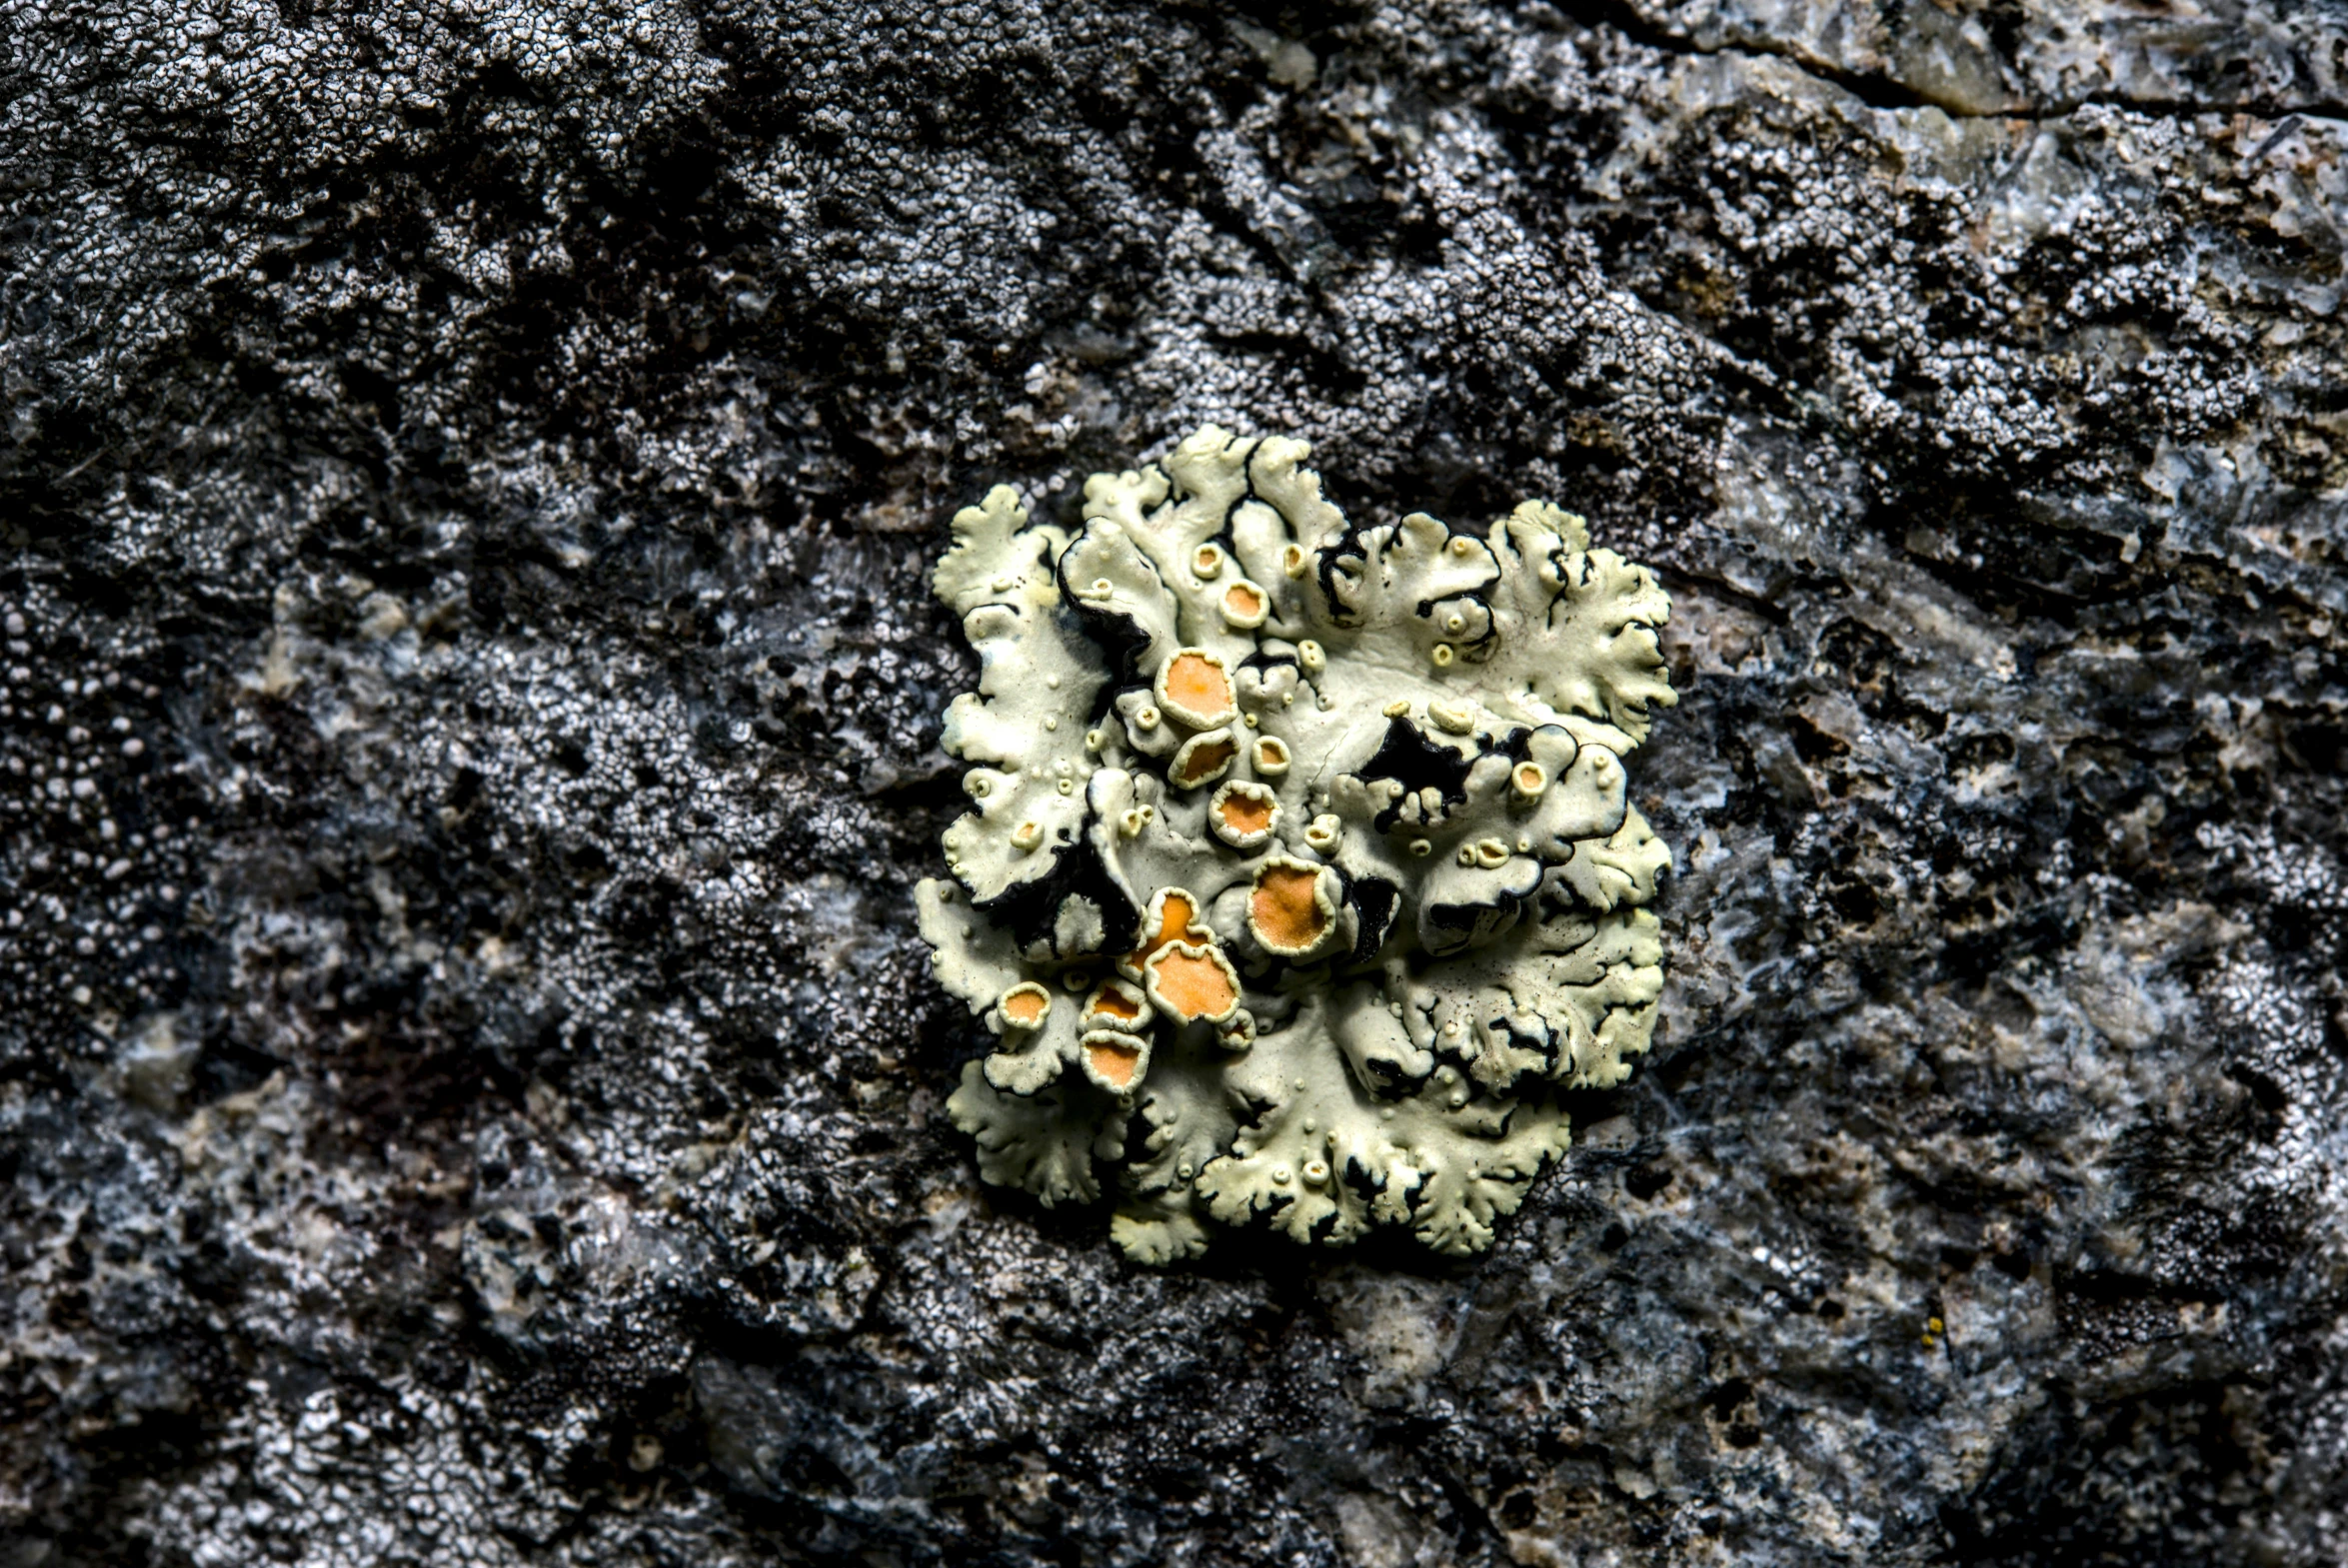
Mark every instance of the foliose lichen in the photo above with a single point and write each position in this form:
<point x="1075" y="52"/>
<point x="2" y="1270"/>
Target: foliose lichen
<point x="1304" y="842"/>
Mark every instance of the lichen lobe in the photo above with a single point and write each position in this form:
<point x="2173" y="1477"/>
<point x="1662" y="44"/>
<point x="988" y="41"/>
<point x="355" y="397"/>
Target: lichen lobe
<point x="1343" y="871"/>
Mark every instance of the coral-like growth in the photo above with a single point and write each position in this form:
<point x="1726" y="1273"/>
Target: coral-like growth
<point x="1305" y="844"/>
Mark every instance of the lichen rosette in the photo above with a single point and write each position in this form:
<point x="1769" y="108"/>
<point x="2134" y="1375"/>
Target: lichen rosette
<point x="1307" y="844"/>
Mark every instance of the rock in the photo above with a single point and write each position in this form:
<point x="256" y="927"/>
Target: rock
<point x="472" y="1091"/>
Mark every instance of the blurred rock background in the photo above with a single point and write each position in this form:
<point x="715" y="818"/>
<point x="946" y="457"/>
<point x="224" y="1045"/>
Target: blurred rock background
<point x="469" y="1085"/>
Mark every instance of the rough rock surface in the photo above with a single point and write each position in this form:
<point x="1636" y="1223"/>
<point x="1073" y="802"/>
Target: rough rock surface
<point x="470" y="1085"/>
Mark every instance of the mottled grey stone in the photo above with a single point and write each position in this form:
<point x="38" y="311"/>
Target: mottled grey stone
<point x="469" y="1088"/>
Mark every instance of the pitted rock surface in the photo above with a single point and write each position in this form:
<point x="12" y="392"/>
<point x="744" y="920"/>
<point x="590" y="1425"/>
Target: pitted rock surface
<point x="471" y="1090"/>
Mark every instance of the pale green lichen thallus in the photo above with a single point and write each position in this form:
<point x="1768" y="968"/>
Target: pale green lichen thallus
<point x="1307" y="845"/>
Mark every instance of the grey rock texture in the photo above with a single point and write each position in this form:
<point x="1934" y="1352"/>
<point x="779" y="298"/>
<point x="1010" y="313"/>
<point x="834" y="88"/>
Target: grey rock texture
<point x="468" y="1082"/>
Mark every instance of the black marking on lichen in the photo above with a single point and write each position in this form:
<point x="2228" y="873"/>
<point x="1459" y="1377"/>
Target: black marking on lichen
<point x="1417" y="762"/>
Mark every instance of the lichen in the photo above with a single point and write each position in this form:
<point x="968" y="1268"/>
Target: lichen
<point x="1320" y="831"/>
